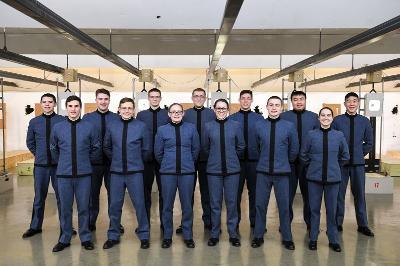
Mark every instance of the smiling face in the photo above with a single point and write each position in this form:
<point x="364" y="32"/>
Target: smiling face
<point x="73" y="110"/>
<point x="325" y="118"/>
<point x="274" y="107"/>
<point x="351" y="105"/>
<point x="198" y="98"/>
<point x="47" y="105"/>
<point x="221" y="110"/>
<point x="126" y="110"/>
<point x="245" y="101"/>
<point x="176" y="113"/>
<point x="102" y="101"/>
<point x="299" y="102"/>
<point x="154" y="99"/>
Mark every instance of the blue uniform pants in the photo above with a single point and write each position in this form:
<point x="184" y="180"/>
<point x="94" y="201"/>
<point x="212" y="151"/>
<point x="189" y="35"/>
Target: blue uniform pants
<point x="134" y="184"/>
<point x="99" y="172"/>
<point x="298" y="176"/>
<point x="263" y="192"/>
<point x="224" y="187"/>
<point x="204" y="192"/>
<point x="42" y="177"/>
<point x="248" y="174"/>
<point x="185" y="185"/>
<point x="152" y="169"/>
<point x="357" y="184"/>
<point x="68" y="189"/>
<point x="330" y="196"/>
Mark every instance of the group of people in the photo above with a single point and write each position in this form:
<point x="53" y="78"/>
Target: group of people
<point x="177" y="147"/>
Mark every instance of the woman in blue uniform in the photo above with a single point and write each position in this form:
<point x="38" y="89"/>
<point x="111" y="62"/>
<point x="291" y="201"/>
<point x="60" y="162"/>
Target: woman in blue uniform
<point x="176" y="148"/>
<point x="324" y="150"/>
<point x="223" y="143"/>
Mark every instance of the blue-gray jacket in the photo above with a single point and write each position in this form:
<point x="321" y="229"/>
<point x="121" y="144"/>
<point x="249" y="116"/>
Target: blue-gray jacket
<point x="278" y="145"/>
<point x="248" y="120"/>
<point x="324" y="150"/>
<point x="127" y="145"/>
<point x="358" y="133"/>
<point x="176" y="148"/>
<point x="199" y="117"/>
<point x="303" y="121"/>
<point x="76" y="145"/>
<point x="224" y="145"/>
<point x="100" y="121"/>
<point x="153" y="120"/>
<point x="38" y="138"/>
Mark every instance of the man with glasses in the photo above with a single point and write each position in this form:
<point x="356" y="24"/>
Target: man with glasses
<point x="199" y="116"/>
<point x="154" y="117"/>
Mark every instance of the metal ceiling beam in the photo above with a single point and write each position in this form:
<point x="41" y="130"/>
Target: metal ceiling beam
<point x="6" y="74"/>
<point x="364" y="82"/>
<point x="231" y="13"/>
<point x="10" y="84"/>
<point x="372" y="68"/>
<point x="365" y="38"/>
<point x="44" y="15"/>
<point x="27" y="61"/>
<point x="397" y="85"/>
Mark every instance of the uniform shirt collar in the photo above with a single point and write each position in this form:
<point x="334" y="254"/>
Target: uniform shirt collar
<point x="73" y="122"/>
<point x="49" y="116"/>
<point x="176" y="124"/>
<point x="155" y="110"/>
<point x="274" y="119"/>
<point x="221" y="121"/>
<point x="349" y="115"/>
<point x="102" y="113"/>
<point x="126" y="120"/>
<point x="245" y="112"/>
<point x="325" y="129"/>
<point x="198" y="109"/>
<point x="298" y="112"/>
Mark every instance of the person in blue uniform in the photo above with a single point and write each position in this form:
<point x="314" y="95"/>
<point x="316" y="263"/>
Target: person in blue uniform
<point x="154" y="117"/>
<point x="101" y="169"/>
<point x="199" y="115"/>
<point x="38" y="143"/>
<point x="359" y="136"/>
<point x="75" y="144"/>
<point x="304" y="121"/>
<point x="248" y="163"/>
<point x="127" y="145"/>
<point x="224" y="144"/>
<point x="278" y="144"/>
<point x="176" y="148"/>
<point x="323" y="150"/>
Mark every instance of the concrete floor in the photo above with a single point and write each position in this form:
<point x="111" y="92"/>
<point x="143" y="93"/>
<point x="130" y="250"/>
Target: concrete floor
<point x="15" y="213"/>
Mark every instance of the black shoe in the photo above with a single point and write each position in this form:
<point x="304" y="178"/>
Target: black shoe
<point x="92" y="227"/>
<point x="288" y="245"/>
<point x="207" y="227"/>
<point x="312" y="245"/>
<point x="340" y="228"/>
<point x="74" y="233"/>
<point x="335" y="247"/>
<point x="31" y="232"/>
<point x="60" y="246"/>
<point x="166" y="243"/>
<point x="257" y="242"/>
<point x="189" y="243"/>
<point x="88" y="245"/>
<point x="235" y="241"/>
<point x="365" y="231"/>
<point x="179" y="230"/>
<point x="121" y="229"/>
<point x="212" y="242"/>
<point x="144" y="244"/>
<point x="110" y="243"/>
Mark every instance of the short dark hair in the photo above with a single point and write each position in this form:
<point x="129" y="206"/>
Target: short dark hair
<point x="48" y="95"/>
<point x="298" y="93"/>
<point x="73" y="98"/>
<point x="199" y="89"/>
<point x="274" y="97"/>
<point x="327" y="108"/>
<point x="172" y="105"/>
<point x="246" y="92"/>
<point x="221" y="100"/>
<point x="351" y="94"/>
<point x="154" y="90"/>
<point x="103" y="91"/>
<point x="126" y="100"/>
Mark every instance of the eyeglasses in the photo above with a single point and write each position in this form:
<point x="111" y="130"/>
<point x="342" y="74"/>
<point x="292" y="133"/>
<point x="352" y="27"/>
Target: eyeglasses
<point x="176" y="112"/>
<point x="222" y="109"/>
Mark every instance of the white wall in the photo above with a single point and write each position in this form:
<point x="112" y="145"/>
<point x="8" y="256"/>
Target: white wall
<point x="17" y="121"/>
